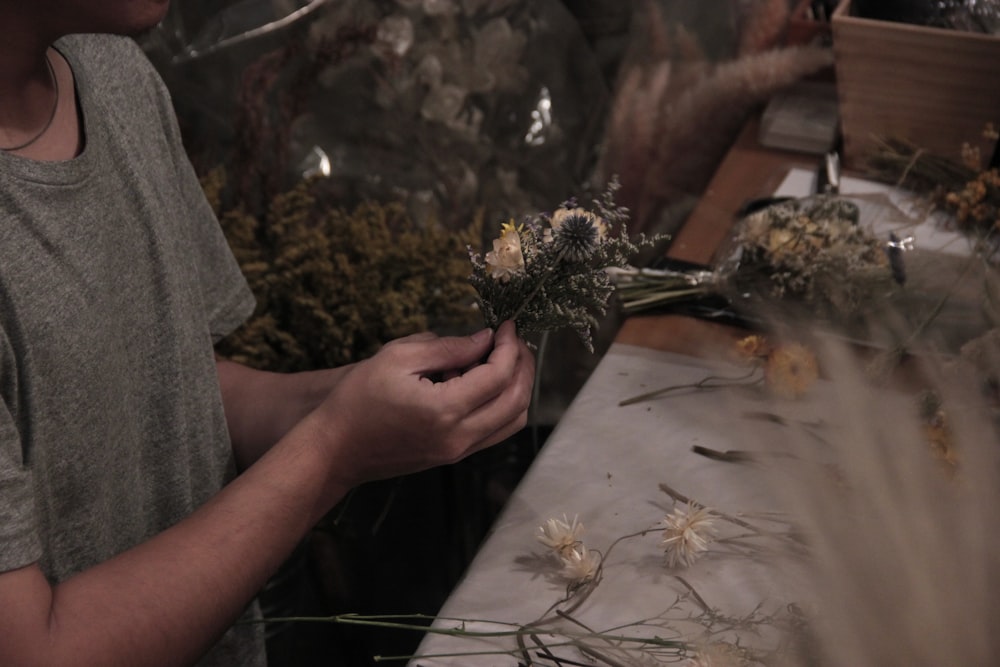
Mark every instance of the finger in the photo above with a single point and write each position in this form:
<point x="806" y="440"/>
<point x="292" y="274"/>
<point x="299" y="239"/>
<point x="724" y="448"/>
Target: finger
<point x="465" y="369"/>
<point x="414" y="338"/>
<point x="483" y="382"/>
<point x="508" y="330"/>
<point x="508" y="407"/>
<point x="499" y="421"/>
<point x="450" y="353"/>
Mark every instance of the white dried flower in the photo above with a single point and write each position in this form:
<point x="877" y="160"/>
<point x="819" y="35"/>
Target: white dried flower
<point x="560" y="536"/>
<point x="689" y="531"/>
<point x="506" y="259"/>
<point x="580" y="564"/>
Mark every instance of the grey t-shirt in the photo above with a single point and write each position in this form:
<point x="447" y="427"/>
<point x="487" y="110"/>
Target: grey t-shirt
<point x="115" y="280"/>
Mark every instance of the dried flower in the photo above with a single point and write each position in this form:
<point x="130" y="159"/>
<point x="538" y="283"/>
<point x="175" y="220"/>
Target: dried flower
<point x="964" y="187"/>
<point x="937" y="429"/>
<point x="562" y="536"/>
<point x="575" y="233"/>
<point x="753" y="348"/>
<point x="689" y="531"/>
<point x="790" y="370"/>
<point x="576" y="240"/>
<point x="334" y="285"/>
<point x="506" y="259"/>
<point x="810" y="251"/>
<point x="580" y="564"/>
<point x="562" y="215"/>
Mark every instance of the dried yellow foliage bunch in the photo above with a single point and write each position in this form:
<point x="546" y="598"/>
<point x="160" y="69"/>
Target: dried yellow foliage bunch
<point x="967" y="188"/>
<point x="332" y="286"/>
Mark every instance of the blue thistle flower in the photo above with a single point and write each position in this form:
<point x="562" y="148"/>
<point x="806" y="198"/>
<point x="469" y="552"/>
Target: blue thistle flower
<point x="576" y="233"/>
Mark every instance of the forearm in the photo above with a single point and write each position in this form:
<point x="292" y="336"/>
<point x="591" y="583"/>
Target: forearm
<point x="166" y="601"/>
<point x="261" y="407"/>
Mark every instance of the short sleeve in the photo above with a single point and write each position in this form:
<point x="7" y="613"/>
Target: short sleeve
<point x="228" y="298"/>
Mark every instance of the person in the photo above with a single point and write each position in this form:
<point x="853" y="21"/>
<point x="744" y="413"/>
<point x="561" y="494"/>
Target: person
<point x="149" y="489"/>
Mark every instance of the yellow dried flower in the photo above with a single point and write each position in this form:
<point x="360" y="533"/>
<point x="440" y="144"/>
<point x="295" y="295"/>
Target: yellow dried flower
<point x="753" y="348"/>
<point x="791" y="369"/>
<point x="971" y="157"/>
<point x="780" y="242"/>
<point x="333" y="285"/>
<point x="939" y="435"/>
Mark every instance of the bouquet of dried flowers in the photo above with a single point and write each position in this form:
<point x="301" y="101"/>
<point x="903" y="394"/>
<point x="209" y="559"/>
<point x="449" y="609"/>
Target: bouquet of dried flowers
<point x="550" y="271"/>
<point x="809" y="255"/>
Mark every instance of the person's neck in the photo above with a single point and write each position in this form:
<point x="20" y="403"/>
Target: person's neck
<point x="25" y="85"/>
<point x="37" y="100"/>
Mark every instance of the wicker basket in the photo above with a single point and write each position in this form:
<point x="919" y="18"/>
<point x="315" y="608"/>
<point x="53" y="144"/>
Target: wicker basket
<point x="935" y="87"/>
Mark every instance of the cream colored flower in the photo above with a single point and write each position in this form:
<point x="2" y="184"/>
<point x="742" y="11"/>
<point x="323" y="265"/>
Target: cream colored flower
<point x="560" y="536"/>
<point x="689" y="531"/>
<point x="506" y="259"/>
<point x="781" y="242"/>
<point x="755" y="229"/>
<point x="580" y="564"/>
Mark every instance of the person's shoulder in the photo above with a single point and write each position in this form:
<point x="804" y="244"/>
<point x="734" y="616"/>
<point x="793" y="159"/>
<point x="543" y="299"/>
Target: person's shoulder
<point x="102" y="47"/>
<point x="112" y="68"/>
<point x="106" y="53"/>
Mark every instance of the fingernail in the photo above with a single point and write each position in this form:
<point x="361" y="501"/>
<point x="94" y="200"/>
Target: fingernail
<point x="482" y="335"/>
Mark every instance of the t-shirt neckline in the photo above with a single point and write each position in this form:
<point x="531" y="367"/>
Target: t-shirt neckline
<point x="73" y="170"/>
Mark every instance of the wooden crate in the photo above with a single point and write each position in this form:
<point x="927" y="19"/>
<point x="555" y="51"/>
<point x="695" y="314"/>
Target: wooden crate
<point x="935" y="87"/>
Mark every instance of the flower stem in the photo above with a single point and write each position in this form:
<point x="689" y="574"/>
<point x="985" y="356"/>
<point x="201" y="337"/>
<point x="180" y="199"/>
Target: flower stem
<point x="533" y="293"/>
<point x="704" y="383"/>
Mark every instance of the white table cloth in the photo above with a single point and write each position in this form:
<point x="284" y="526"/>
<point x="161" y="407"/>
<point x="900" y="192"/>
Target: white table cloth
<point x="604" y="464"/>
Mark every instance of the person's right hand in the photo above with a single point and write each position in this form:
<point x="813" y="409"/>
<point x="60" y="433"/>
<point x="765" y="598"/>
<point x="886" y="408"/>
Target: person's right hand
<point x="388" y="415"/>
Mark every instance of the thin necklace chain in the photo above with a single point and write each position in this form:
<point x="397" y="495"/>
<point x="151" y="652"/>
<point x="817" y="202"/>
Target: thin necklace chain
<point x="52" y="115"/>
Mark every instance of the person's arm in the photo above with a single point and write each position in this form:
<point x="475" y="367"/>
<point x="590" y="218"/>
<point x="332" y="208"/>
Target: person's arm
<point x="261" y="407"/>
<point x="166" y="601"/>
